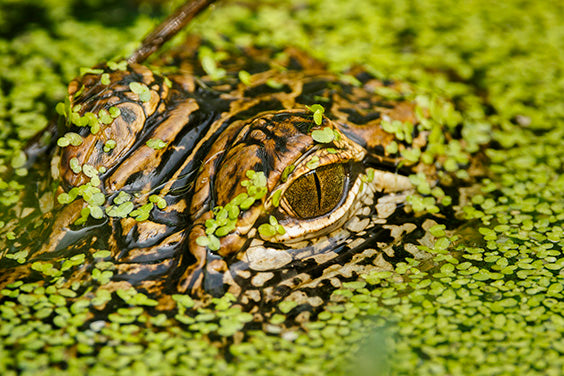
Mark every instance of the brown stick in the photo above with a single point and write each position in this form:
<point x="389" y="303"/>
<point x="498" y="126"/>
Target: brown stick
<point x="167" y="29"/>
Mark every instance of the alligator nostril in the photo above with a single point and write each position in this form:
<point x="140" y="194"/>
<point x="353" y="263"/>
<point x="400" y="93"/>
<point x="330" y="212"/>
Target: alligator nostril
<point x="257" y="135"/>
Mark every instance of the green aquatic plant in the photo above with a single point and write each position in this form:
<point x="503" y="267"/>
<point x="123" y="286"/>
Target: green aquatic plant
<point x="494" y="304"/>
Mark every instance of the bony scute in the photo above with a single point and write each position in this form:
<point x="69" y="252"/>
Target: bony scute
<point x="198" y="176"/>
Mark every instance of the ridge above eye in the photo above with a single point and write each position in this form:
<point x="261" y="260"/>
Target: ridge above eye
<point x="317" y="192"/>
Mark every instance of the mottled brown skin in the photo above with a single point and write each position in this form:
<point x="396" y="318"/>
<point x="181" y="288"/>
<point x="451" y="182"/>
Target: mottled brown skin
<point x="215" y="131"/>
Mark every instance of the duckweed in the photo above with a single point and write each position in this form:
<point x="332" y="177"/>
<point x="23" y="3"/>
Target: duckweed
<point x="402" y="131"/>
<point x="159" y="201"/>
<point x="313" y="163"/>
<point x="155" y="143"/>
<point x="105" y="79"/>
<point x="494" y="303"/>
<point x="245" y="77"/>
<point x="121" y="65"/>
<point x="142" y="213"/>
<point x="224" y="219"/>
<point x="270" y="229"/>
<point x="109" y="145"/>
<point x="70" y="138"/>
<point x="209" y="61"/>
<point x="323" y="136"/>
<point x="318" y="111"/>
<point x="141" y="90"/>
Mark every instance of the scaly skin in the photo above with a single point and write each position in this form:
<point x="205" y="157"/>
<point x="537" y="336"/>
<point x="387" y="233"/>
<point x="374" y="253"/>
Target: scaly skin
<point x="214" y="132"/>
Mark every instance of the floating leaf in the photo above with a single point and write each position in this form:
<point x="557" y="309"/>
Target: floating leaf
<point x="202" y="241"/>
<point x="266" y="230"/>
<point x="245" y="77"/>
<point x="74" y="138"/>
<point x="318" y="111"/>
<point x="89" y="170"/>
<point x="141" y="90"/>
<point x="105" y="79"/>
<point x="313" y="163"/>
<point x="120" y="211"/>
<point x="114" y="112"/>
<point x="105" y="117"/>
<point x="214" y="243"/>
<point x="85" y="70"/>
<point x="122" y="65"/>
<point x="61" y="109"/>
<point x="158" y="200"/>
<point x="63" y="142"/>
<point x="19" y="159"/>
<point x="75" y="165"/>
<point x="323" y="136"/>
<point x="274" y="84"/>
<point x="317" y="117"/>
<point x="96" y="212"/>
<point x="109" y="145"/>
<point x="64" y="198"/>
<point x="142" y="213"/>
<point x="155" y="143"/>
<point x="102" y="254"/>
<point x="276" y="198"/>
<point x="122" y="197"/>
<point x="287" y="171"/>
<point x="392" y="148"/>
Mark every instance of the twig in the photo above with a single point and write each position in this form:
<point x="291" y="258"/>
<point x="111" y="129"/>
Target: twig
<point x="167" y="29"/>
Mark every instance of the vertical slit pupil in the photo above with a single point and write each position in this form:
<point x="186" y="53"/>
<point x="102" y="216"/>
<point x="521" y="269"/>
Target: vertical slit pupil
<point x="317" y="192"/>
<point x="318" y="189"/>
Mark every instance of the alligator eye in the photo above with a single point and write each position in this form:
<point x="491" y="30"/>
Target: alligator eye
<point x="317" y="192"/>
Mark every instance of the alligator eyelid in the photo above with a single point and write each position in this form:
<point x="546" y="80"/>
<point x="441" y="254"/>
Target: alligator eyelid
<point x="383" y="165"/>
